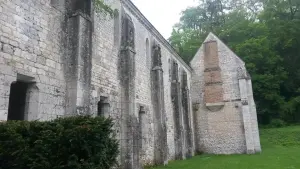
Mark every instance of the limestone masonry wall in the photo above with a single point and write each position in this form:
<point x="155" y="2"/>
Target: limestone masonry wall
<point x="30" y="42"/>
<point x="60" y="58"/>
<point x="221" y="124"/>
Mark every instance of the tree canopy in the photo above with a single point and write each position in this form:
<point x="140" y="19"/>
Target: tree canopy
<point x="265" y="34"/>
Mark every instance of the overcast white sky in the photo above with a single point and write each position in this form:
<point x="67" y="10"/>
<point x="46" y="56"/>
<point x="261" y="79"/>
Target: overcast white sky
<point x="163" y="14"/>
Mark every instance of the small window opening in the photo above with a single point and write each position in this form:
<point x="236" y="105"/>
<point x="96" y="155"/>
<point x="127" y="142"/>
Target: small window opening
<point x="103" y="107"/>
<point x="142" y="110"/>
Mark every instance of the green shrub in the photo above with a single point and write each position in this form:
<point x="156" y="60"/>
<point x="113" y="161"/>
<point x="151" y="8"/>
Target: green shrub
<point x="80" y="142"/>
<point x="277" y="123"/>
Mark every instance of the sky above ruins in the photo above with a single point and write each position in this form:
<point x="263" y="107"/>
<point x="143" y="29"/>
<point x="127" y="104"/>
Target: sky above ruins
<point x="163" y="14"/>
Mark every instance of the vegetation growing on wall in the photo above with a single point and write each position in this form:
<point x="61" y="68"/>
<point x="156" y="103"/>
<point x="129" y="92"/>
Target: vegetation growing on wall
<point x="265" y="34"/>
<point x="79" y="142"/>
<point x="100" y="6"/>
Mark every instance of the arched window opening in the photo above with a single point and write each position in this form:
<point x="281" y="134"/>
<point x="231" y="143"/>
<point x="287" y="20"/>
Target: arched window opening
<point x="128" y="32"/>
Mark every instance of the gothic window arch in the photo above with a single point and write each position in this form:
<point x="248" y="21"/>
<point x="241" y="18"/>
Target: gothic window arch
<point x="156" y="55"/>
<point x="128" y="32"/>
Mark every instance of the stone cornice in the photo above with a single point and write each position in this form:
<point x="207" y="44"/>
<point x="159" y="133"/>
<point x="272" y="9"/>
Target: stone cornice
<point x="137" y="13"/>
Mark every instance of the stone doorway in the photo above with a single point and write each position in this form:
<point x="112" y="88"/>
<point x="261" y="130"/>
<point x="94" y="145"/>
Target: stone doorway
<point x="23" y="99"/>
<point x="17" y="101"/>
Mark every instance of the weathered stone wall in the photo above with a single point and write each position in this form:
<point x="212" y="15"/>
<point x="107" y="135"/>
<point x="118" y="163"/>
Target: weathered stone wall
<point x="31" y="51"/>
<point x="106" y="78"/>
<point x="72" y="56"/>
<point x="220" y="120"/>
<point x="75" y="61"/>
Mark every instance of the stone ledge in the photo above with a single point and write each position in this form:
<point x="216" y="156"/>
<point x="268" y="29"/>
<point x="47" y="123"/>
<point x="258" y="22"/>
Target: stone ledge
<point x="215" y="106"/>
<point x="211" y="69"/>
<point x="79" y="13"/>
<point x="213" y="83"/>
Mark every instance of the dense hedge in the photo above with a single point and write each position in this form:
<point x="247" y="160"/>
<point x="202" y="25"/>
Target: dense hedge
<point x="80" y="142"/>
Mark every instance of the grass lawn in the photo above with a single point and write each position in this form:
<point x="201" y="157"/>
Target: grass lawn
<point x="280" y="150"/>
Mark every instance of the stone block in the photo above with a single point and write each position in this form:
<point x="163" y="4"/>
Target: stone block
<point x="19" y="65"/>
<point x="3" y="115"/>
<point x="14" y="43"/>
<point x="8" y="49"/>
<point x="4" y="28"/>
<point x="17" y="52"/>
<point x="6" y="56"/>
<point x="4" y="39"/>
<point x="7" y="70"/>
<point x="44" y="79"/>
<point x="41" y="60"/>
<point x="41" y="72"/>
<point x="37" y="51"/>
<point x="50" y="63"/>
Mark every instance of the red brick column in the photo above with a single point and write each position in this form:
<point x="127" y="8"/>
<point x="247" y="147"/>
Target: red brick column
<point x="212" y="74"/>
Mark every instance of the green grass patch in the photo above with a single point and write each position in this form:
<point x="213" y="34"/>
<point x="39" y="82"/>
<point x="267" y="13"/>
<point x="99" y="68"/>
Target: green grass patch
<point x="280" y="150"/>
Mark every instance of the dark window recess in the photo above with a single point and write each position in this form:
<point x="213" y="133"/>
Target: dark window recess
<point x="128" y="32"/>
<point x="83" y="5"/>
<point x="103" y="107"/>
<point x="175" y="71"/>
<point x="17" y="101"/>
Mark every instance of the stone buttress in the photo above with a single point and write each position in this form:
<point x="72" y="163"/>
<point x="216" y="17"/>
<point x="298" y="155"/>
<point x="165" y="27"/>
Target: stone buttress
<point x="78" y="56"/>
<point x="159" y="116"/>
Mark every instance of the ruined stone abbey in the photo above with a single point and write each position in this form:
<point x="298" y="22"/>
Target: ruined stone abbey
<point x="61" y="58"/>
